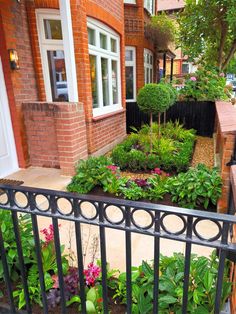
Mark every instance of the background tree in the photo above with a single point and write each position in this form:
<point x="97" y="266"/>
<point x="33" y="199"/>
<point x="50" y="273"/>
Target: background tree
<point x="207" y="30"/>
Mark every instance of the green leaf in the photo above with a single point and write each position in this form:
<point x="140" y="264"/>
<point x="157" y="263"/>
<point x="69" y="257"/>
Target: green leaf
<point x="74" y="299"/>
<point x="92" y="295"/>
<point x="90" y="308"/>
<point x="147" y="269"/>
<point x="208" y="280"/>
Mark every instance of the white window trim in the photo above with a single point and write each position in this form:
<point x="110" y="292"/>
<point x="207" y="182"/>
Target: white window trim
<point x="133" y="64"/>
<point x="52" y="44"/>
<point x="99" y="52"/>
<point x="153" y="7"/>
<point x="148" y="65"/>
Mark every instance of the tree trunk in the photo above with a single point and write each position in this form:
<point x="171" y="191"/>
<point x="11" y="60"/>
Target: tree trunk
<point x="224" y="33"/>
<point x="159" y="125"/>
<point x="230" y="55"/>
<point x="151" y="132"/>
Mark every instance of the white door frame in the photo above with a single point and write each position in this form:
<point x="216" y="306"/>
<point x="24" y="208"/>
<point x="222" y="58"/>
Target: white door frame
<point x="7" y="125"/>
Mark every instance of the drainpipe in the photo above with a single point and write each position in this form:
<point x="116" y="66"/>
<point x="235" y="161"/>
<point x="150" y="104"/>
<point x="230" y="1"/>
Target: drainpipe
<point x="69" y="52"/>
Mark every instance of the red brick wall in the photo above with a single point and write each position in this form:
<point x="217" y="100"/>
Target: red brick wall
<point x="23" y="83"/>
<point x="113" y="17"/>
<point x="56" y="134"/>
<point x="135" y="16"/>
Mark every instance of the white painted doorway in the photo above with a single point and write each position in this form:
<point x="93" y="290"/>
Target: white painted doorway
<point x="8" y="157"/>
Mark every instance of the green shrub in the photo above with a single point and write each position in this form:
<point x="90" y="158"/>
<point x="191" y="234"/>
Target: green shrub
<point x="202" y="285"/>
<point x="197" y="187"/>
<point x="90" y="173"/>
<point x="158" y="188"/>
<point x="132" y="191"/>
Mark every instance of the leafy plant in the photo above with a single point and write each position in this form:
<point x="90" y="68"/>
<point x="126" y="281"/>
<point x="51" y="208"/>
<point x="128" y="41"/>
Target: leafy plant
<point x="205" y="84"/>
<point x="202" y="285"/>
<point x="91" y="172"/>
<point x="132" y="191"/>
<point x="197" y="187"/>
<point x="27" y="241"/>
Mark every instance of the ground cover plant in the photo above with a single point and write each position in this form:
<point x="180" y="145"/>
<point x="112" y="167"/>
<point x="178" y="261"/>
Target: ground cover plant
<point x="202" y="282"/>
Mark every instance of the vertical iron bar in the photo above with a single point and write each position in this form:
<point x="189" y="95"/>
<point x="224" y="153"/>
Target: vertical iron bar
<point x="171" y="69"/>
<point x="220" y="276"/>
<point x="188" y="248"/>
<point x="58" y="255"/>
<point x="79" y="249"/>
<point x="156" y="263"/>
<point x="38" y="253"/>
<point x="164" y="64"/>
<point x="6" y="274"/>
<point x="103" y="259"/>
<point x="128" y="261"/>
<point x="20" y="253"/>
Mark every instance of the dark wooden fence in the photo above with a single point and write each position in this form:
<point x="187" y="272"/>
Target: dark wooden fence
<point x="197" y="115"/>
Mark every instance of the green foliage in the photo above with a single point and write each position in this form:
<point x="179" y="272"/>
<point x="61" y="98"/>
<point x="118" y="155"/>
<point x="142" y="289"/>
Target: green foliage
<point x="27" y="240"/>
<point x="205" y="84"/>
<point x="202" y="285"/>
<point x="158" y="188"/>
<point x="172" y="92"/>
<point x="90" y="173"/>
<point x="161" y="30"/>
<point x="172" y="152"/>
<point x="153" y="98"/>
<point x="207" y="30"/>
<point x="197" y="187"/>
<point x="132" y="191"/>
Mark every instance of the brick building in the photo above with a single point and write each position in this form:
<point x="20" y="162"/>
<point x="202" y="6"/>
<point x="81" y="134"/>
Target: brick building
<point x="140" y="55"/>
<point x="67" y="98"/>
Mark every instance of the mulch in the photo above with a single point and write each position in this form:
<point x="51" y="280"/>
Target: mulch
<point x="204" y="152"/>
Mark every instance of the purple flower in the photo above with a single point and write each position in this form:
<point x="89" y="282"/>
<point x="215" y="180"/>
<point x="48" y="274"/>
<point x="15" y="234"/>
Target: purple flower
<point x="193" y="78"/>
<point x="141" y="182"/>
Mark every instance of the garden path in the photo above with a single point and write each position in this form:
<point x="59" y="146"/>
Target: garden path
<point x="142" y="246"/>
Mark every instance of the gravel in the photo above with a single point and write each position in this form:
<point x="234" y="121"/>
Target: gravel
<point x="204" y="152"/>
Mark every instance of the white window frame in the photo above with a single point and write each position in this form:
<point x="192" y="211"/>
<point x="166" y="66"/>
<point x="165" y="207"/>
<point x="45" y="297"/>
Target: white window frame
<point x="150" y="5"/>
<point x="148" y="65"/>
<point x="49" y="44"/>
<point x="95" y="50"/>
<point x="132" y="64"/>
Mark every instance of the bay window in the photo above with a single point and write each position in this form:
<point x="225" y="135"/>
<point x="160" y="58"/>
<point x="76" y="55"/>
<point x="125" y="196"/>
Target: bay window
<point x="130" y="73"/>
<point x="150" y="6"/>
<point x="104" y="55"/>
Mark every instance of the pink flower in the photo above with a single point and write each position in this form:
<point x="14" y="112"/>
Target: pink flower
<point x="113" y="168"/>
<point x="91" y="274"/>
<point x="48" y="234"/>
<point x="157" y="171"/>
<point x="55" y="281"/>
<point x="222" y="74"/>
<point x="167" y="174"/>
<point x="193" y="78"/>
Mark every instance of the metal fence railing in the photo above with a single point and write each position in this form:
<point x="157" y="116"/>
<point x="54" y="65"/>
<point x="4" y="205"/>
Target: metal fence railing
<point x="156" y="228"/>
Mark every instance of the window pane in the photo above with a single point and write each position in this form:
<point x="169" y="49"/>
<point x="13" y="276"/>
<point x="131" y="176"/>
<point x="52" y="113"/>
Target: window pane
<point x="91" y="36"/>
<point x="105" y="89"/>
<point x="151" y="59"/>
<point x="128" y="55"/>
<point x="113" y="45"/>
<point x="52" y="29"/>
<point x="114" y="82"/>
<point x="151" y="76"/>
<point x="129" y="75"/>
<point x="103" y="41"/>
<point x="94" y="85"/>
<point x="57" y="72"/>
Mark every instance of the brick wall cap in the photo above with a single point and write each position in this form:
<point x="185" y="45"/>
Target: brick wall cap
<point x="226" y="114"/>
<point x="50" y="106"/>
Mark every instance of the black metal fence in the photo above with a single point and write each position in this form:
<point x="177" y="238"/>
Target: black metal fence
<point x="11" y="199"/>
<point x="193" y="115"/>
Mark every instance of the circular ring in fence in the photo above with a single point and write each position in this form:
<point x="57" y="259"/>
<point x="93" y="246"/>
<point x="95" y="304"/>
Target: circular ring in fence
<point x="114" y="214"/>
<point x="4" y="199"/>
<point x="201" y="236"/>
<point x="21" y="199"/>
<point x="88" y="210"/>
<point x="178" y="220"/>
<point x="42" y="202"/>
<point x="142" y="218"/>
<point x="64" y="206"/>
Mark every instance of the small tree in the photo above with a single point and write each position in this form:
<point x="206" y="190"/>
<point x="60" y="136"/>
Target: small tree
<point x="153" y="99"/>
<point x="173" y="97"/>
